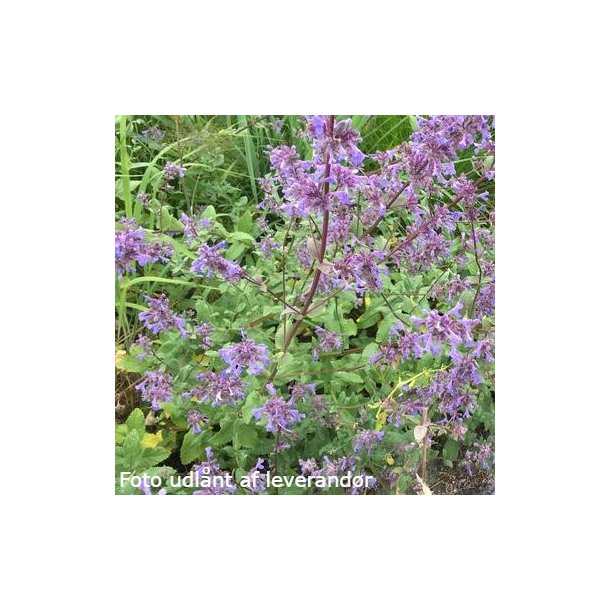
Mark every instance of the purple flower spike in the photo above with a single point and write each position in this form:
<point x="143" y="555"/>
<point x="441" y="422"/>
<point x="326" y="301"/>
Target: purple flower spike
<point x="246" y="354"/>
<point x="156" y="387"/>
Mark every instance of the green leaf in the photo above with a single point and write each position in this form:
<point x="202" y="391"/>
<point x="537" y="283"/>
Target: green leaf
<point x="152" y="457"/>
<point x="369" y="318"/>
<point x="369" y="350"/>
<point x="235" y="251"/>
<point x="223" y="436"/>
<point x="244" y="435"/>
<point x="244" y="224"/>
<point x="451" y="450"/>
<point x="251" y="403"/>
<point x="209" y="212"/>
<point x="240" y="236"/>
<point x="192" y="448"/>
<point x="131" y="363"/>
<point x="168" y="222"/>
<point x="136" y="420"/>
<point x="132" y="450"/>
<point x="348" y="376"/>
<point x="384" y="327"/>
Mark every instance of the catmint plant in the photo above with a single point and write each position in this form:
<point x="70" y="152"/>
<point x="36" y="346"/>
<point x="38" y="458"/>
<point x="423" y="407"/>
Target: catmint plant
<point x="336" y="321"/>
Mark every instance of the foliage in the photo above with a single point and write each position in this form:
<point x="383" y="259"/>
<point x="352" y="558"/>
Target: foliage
<point x="304" y="297"/>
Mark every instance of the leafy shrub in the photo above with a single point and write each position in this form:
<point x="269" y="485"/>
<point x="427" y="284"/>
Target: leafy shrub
<point x="343" y="324"/>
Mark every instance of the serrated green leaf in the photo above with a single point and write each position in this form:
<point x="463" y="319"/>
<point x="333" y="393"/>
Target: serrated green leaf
<point x="132" y="450"/>
<point x="224" y="435"/>
<point x="244" y="435"/>
<point x="135" y="421"/>
<point x="152" y="457"/>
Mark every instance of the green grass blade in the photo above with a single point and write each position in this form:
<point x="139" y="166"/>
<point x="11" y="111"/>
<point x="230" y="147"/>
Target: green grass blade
<point x="125" y="166"/>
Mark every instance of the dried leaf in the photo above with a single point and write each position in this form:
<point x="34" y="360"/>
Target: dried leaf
<point x="420" y="433"/>
<point x="424" y="487"/>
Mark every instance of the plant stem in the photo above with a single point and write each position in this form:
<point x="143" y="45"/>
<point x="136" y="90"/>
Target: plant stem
<point x="424" y="448"/>
<point x="318" y="274"/>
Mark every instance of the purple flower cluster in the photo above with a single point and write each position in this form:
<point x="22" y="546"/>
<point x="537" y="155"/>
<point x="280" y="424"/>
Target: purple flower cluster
<point x="339" y="141"/>
<point x="160" y="317"/>
<point x="305" y="185"/>
<point x="245" y="355"/>
<point x="153" y="133"/>
<point x="480" y="457"/>
<point x="220" y="482"/>
<point x="204" y="332"/>
<point x="336" y="468"/>
<point x="445" y="329"/>
<point x="217" y="389"/>
<point x="433" y="332"/>
<point x="192" y="226"/>
<point x="254" y="480"/>
<point x="145" y="345"/>
<point x="195" y="419"/>
<point x="450" y="390"/>
<point x="156" y="387"/>
<point x="131" y="247"/>
<point x="171" y="171"/>
<point x="210" y="262"/>
<point x="398" y="410"/>
<point x="281" y="415"/>
<point x="367" y="440"/>
<point x="327" y="342"/>
<point x="433" y="148"/>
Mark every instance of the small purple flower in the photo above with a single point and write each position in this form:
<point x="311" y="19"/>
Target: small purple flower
<point x="398" y="411"/>
<point x="367" y="439"/>
<point x="131" y="247"/>
<point x="204" y="334"/>
<point x="145" y="345"/>
<point x="267" y="245"/>
<point x="281" y="416"/>
<point x="156" y="387"/>
<point x="327" y="342"/>
<point x="195" y="419"/>
<point x="308" y="467"/>
<point x="171" y="171"/>
<point x="213" y="481"/>
<point x="160" y="317"/>
<point x="246" y="354"/>
<point x="217" y="389"/>
<point x="143" y="197"/>
<point x="191" y="227"/>
<point x="145" y="487"/>
<point x="480" y="457"/>
<point x="254" y="480"/>
<point x="445" y="329"/>
<point x="210" y="262"/>
<point x="153" y="133"/>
